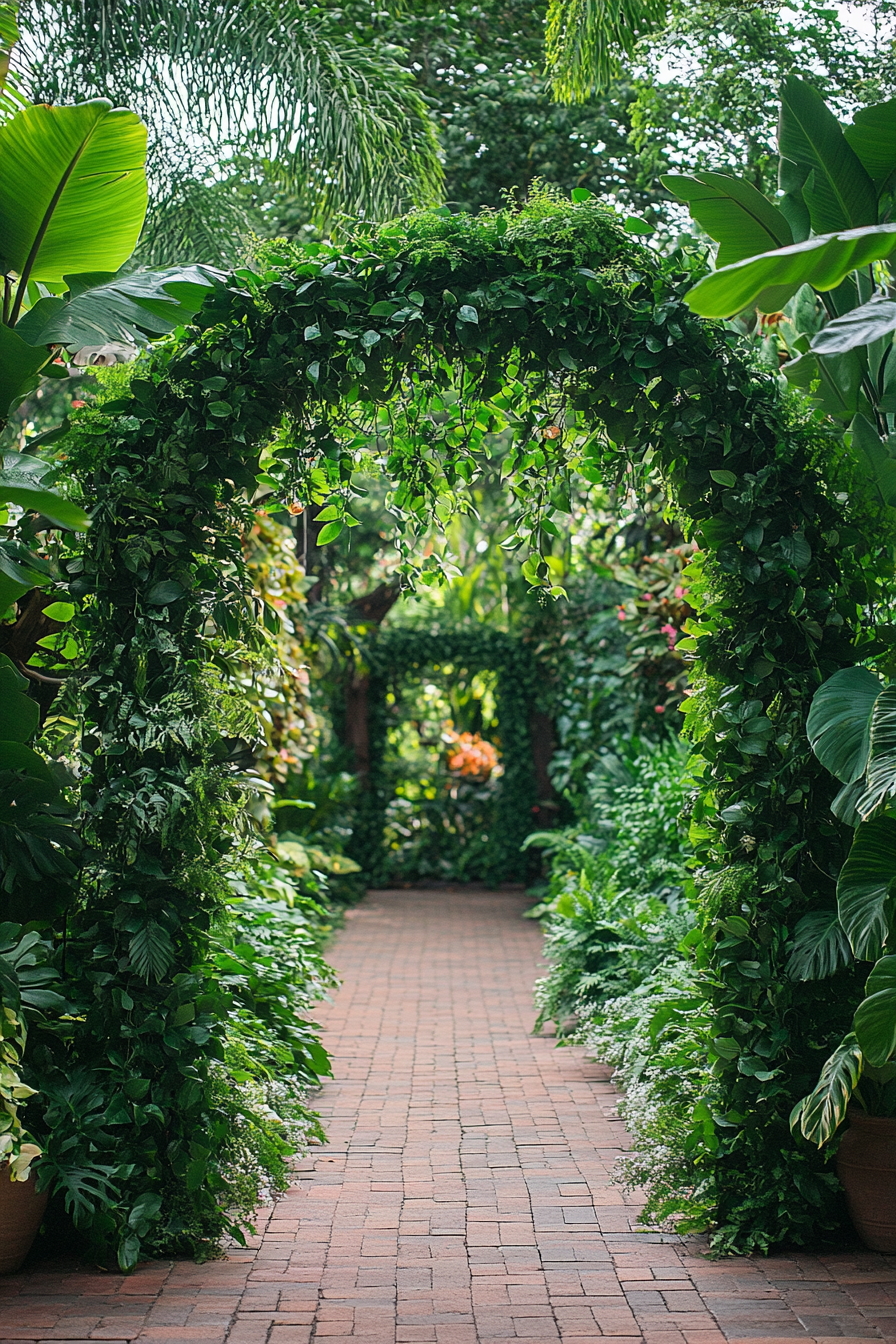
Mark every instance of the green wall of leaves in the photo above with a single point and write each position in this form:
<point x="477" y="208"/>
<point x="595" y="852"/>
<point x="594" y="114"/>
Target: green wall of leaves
<point x="395" y="651"/>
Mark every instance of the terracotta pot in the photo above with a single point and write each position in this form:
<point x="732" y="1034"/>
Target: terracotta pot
<point x="21" y="1214"/>
<point x="866" y="1165"/>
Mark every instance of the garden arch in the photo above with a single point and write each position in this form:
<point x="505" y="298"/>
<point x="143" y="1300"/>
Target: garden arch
<point x="392" y="653"/>
<point x="292" y="373"/>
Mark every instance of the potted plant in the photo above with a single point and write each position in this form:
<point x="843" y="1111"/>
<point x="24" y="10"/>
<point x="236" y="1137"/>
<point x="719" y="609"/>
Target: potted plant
<point x="852" y="730"/>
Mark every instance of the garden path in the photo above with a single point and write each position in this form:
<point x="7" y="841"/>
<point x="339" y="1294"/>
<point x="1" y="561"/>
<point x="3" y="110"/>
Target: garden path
<point x="465" y="1192"/>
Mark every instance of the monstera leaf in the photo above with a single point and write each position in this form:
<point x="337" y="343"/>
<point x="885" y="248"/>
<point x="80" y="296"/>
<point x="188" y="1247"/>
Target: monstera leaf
<point x="875" y="1020"/>
<point x="818" y="1116"/>
<point x="839" y="723"/>
<point x="865" y="888"/>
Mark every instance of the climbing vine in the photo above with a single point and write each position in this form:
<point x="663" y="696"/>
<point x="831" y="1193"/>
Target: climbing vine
<point x="403" y="353"/>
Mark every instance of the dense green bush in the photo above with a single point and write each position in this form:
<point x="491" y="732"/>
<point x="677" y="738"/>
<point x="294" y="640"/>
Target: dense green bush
<point x="620" y="925"/>
<point x="620" y="890"/>
<point x="264" y="970"/>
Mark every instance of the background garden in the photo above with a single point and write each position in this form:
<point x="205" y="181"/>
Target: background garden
<point x="340" y="553"/>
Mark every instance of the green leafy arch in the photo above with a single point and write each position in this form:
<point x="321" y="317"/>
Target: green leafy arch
<point x="394" y="653"/>
<point x="407" y="349"/>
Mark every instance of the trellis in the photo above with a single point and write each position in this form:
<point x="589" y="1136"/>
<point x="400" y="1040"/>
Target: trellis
<point x="295" y="374"/>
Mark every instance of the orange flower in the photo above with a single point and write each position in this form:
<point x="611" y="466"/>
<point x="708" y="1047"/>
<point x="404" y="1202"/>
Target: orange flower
<point x="470" y="755"/>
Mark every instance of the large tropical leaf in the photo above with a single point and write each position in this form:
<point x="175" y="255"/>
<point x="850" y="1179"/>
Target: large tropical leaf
<point x="861" y="326"/>
<point x="865" y="887"/>
<point x="839" y="722"/>
<point x="844" y="806"/>
<point x="880" y="775"/>
<point x="818" y="1116"/>
<point x="9" y="35"/>
<point x="72" y="189"/>
<point x="102" y="308"/>
<point x="819" y="947"/>
<point x="19" y="714"/>
<point x="834" y="383"/>
<point x="837" y="190"/>
<point x="20" y="571"/>
<point x="20" y="483"/>
<point x="872" y="137"/>
<point x="733" y="212"/>
<point x="20" y="365"/>
<point x="772" y="278"/>
<point x="875" y="1021"/>
<point x="39" y="785"/>
<point x="873" y="458"/>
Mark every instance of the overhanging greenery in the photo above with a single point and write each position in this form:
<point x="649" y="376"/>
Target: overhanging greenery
<point x="409" y="349"/>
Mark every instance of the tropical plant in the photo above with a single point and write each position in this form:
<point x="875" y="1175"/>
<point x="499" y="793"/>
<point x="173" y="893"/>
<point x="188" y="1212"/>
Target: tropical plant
<point x="72" y="204"/>
<point x="821" y="254"/>
<point x="852" y="730"/>
<point x="24" y="977"/>
<point x="585" y="39"/>
<point x="619" y="887"/>
<point x="241" y="96"/>
<point x="38" y="843"/>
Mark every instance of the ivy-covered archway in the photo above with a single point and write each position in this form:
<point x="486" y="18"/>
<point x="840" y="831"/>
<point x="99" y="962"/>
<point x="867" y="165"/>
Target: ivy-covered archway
<point x="406" y="349"/>
<point x="396" y="652"/>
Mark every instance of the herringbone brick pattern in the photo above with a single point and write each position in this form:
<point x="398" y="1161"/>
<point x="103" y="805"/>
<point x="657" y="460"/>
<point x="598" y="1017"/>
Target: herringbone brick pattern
<point x="465" y="1191"/>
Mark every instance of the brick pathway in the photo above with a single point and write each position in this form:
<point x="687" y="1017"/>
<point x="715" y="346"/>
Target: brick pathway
<point x="464" y="1194"/>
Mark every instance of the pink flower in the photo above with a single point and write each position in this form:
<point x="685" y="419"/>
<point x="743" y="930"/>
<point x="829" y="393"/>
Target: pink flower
<point x="648" y="597"/>
<point x="621" y="613"/>
<point x="679" y="591"/>
<point x="78" y="405"/>
<point x="660" y="709"/>
<point x="671" y="634"/>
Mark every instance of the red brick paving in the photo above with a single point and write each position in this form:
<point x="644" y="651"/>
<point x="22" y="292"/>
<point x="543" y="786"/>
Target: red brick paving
<point x="465" y="1192"/>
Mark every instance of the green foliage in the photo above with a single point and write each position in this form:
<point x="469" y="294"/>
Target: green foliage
<point x="585" y="40"/>
<point x="618" y="890"/>
<point x="326" y="362"/>
<point x="398" y="650"/>
<point x="230" y="111"/>
<point x="23" y="992"/>
<point x="39" y="847"/>
<point x="819" y="1114"/>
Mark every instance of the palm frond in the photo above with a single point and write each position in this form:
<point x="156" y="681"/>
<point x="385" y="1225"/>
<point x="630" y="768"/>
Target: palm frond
<point x="329" y="115"/>
<point x="584" y="40"/>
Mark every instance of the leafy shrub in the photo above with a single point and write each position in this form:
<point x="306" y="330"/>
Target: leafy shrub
<point x="619" y="925"/>
<point x="655" y="1036"/>
<point x="619" y="884"/>
<point x="251" y="1003"/>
